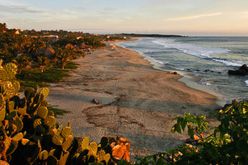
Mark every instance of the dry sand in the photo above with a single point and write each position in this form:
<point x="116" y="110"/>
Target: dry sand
<point x="136" y="100"/>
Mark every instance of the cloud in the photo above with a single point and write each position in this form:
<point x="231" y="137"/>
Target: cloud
<point x="18" y="9"/>
<point x="194" y="16"/>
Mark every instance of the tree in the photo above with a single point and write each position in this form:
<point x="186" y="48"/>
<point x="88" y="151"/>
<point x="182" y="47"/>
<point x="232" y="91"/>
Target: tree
<point x="43" y="61"/>
<point x="24" y="62"/>
<point x="3" y="27"/>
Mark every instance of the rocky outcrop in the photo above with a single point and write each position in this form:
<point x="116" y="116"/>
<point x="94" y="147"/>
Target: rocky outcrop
<point x="242" y="71"/>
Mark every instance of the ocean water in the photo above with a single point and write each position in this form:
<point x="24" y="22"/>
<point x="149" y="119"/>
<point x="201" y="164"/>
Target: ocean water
<point x="207" y="59"/>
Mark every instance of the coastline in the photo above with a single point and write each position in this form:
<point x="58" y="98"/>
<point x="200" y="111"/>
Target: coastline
<point x="186" y="78"/>
<point x="135" y="100"/>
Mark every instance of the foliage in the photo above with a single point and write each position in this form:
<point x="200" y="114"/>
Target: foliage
<point x="39" y="51"/>
<point x="34" y="78"/>
<point x="57" y="111"/>
<point x="225" y="144"/>
<point x="29" y="133"/>
<point x="195" y="125"/>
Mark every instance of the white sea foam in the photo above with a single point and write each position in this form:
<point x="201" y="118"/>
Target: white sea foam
<point x="153" y="61"/>
<point x="228" y="63"/>
<point x="208" y="84"/>
<point x="191" y="49"/>
<point x="167" y="51"/>
<point x="178" y="68"/>
<point x="246" y="82"/>
<point x="198" y="51"/>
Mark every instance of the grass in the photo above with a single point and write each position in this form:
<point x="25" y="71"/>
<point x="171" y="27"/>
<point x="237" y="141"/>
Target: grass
<point x="57" y="111"/>
<point x="34" y="78"/>
<point x="71" y="65"/>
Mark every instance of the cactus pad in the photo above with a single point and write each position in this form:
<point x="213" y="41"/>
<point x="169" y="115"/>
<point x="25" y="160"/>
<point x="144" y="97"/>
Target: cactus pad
<point x="85" y="143"/>
<point x="12" y="147"/>
<point x="57" y="139"/>
<point x="11" y="70"/>
<point x="44" y="92"/>
<point x="24" y="141"/>
<point x="66" y="131"/>
<point x="11" y="106"/>
<point x="43" y="155"/>
<point x="63" y="158"/>
<point x="50" y="121"/>
<point x="42" y="112"/>
<point x="19" y="124"/>
<point x="2" y="108"/>
<point x="18" y="137"/>
<point x="67" y="142"/>
<point x="93" y="148"/>
<point x="37" y="122"/>
<point x="2" y="102"/>
<point x="102" y="156"/>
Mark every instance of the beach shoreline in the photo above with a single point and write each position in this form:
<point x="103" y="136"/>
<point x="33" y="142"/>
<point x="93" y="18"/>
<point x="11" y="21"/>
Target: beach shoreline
<point x="135" y="100"/>
<point x="186" y="78"/>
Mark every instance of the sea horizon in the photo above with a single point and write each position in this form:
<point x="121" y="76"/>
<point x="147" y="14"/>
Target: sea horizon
<point x="113" y="32"/>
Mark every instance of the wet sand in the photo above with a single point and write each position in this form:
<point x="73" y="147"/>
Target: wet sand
<point x="135" y="100"/>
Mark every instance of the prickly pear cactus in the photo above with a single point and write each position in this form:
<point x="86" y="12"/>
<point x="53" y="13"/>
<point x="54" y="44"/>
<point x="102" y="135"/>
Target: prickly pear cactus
<point x="26" y="120"/>
<point x="42" y="112"/>
<point x="29" y="133"/>
<point x="8" y="83"/>
<point x="2" y="109"/>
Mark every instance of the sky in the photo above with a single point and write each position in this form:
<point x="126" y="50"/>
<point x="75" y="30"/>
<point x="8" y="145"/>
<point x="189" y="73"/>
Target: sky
<point x="186" y="17"/>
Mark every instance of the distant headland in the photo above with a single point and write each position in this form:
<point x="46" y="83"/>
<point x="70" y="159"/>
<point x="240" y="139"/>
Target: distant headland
<point x="149" y="35"/>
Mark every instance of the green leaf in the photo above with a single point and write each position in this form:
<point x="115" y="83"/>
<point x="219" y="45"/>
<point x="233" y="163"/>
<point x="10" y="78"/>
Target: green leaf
<point x="190" y="132"/>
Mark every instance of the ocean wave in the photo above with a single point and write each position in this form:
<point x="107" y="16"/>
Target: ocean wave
<point x="181" y="69"/>
<point x="153" y="60"/>
<point x="191" y="49"/>
<point x="228" y="63"/>
<point x="198" y="51"/>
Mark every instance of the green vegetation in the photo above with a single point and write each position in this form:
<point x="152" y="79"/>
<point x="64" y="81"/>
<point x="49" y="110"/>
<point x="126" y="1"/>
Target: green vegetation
<point x="34" y="78"/>
<point x="45" y="56"/>
<point x="29" y="133"/>
<point x="225" y="144"/>
<point x="57" y="111"/>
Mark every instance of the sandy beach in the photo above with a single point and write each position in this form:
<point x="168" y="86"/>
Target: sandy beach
<point x="135" y="100"/>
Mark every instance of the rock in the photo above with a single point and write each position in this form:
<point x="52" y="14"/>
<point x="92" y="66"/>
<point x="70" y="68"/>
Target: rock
<point x="95" y="101"/>
<point x="242" y="71"/>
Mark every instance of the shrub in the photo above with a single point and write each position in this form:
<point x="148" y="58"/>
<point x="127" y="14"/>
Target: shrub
<point x="225" y="144"/>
